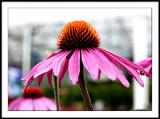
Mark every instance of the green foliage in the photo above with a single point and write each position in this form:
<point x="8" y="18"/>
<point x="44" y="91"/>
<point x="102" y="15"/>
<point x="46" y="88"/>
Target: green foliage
<point x="114" y="95"/>
<point x="111" y="93"/>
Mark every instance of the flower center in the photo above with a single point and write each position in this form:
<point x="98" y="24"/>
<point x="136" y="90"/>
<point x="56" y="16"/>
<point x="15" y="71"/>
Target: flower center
<point x="32" y="93"/>
<point x="78" y="34"/>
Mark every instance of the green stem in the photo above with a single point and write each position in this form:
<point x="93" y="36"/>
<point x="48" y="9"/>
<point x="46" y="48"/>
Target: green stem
<point x="56" y="92"/>
<point x="83" y="89"/>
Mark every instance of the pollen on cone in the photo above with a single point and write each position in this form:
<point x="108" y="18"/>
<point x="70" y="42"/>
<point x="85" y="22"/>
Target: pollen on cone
<point x="78" y="34"/>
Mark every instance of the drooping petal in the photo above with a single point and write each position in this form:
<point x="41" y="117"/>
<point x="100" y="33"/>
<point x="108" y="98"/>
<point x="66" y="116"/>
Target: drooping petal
<point x="40" y="79"/>
<point x="63" y="70"/>
<point x="40" y="72"/>
<point x="149" y="70"/>
<point x="50" y="60"/>
<point x="145" y="63"/>
<point x="28" y="82"/>
<point x="49" y="75"/>
<point x="74" y="66"/>
<point x="43" y="69"/>
<point x="49" y="104"/>
<point x="129" y="69"/>
<point x="27" y="104"/>
<point x="15" y="104"/>
<point x="135" y="74"/>
<point x="120" y="76"/>
<point x="49" y="64"/>
<point x="34" y="70"/>
<point x="125" y="61"/>
<point x="89" y="63"/>
<point x="103" y="63"/>
<point x="58" y="62"/>
<point x="29" y="78"/>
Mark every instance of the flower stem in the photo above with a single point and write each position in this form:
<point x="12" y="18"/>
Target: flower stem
<point x="56" y="92"/>
<point x="83" y="88"/>
<point x="56" y="86"/>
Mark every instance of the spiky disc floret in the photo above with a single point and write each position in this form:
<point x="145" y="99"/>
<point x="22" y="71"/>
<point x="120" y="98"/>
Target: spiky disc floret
<point x="32" y="93"/>
<point x="78" y="34"/>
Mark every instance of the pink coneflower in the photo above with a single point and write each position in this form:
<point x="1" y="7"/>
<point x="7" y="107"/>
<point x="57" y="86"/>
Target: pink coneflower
<point x="147" y="65"/>
<point x="79" y="42"/>
<point x="33" y="99"/>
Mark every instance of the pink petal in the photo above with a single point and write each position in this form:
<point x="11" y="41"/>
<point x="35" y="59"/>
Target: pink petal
<point x="39" y="104"/>
<point x="135" y="74"/>
<point x="145" y="63"/>
<point x="50" y="60"/>
<point x="31" y="76"/>
<point x="89" y="63"/>
<point x="103" y="63"/>
<point x="28" y="79"/>
<point x="28" y="82"/>
<point x="125" y="61"/>
<point x="149" y="70"/>
<point x="15" y="104"/>
<point x="49" y="104"/>
<point x="50" y="63"/>
<point x="58" y="62"/>
<point x="27" y="104"/>
<point x="129" y="69"/>
<point x="42" y="70"/>
<point x="34" y="70"/>
<point x="120" y="76"/>
<point x="40" y="79"/>
<point x="74" y="66"/>
<point x="49" y="75"/>
<point x="46" y="64"/>
<point x="63" y="71"/>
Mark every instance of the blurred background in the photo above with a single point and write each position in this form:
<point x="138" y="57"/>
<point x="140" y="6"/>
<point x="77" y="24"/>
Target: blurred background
<point x="125" y="32"/>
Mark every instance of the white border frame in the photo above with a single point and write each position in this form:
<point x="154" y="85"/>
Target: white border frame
<point x="155" y="103"/>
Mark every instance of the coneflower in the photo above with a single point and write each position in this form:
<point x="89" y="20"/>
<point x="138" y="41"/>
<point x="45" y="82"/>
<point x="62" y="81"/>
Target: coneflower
<point x="79" y="46"/>
<point x="32" y="99"/>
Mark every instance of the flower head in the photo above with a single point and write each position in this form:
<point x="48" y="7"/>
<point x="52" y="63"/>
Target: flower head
<point x="78" y="34"/>
<point x="33" y="99"/>
<point x="79" y="41"/>
<point x="146" y="64"/>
